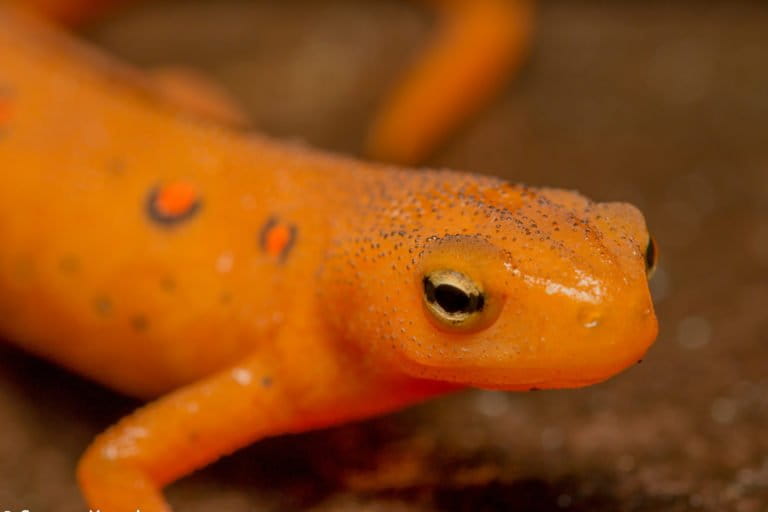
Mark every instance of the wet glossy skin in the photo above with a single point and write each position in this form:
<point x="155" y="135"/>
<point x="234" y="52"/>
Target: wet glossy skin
<point x="262" y="288"/>
<point x="564" y="280"/>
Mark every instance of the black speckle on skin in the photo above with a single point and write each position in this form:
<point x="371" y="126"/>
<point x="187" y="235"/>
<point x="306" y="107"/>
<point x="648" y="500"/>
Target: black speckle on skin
<point x="168" y="284"/>
<point x="103" y="306"/>
<point x="266" y="382"/>
<point x="139" y="323"/>
<point x="69" y="264"/>
<point x="116" y="166"/>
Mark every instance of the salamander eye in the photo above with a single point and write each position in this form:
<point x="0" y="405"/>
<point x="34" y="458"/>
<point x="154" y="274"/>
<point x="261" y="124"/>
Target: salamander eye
<point x="651" y="257"/>
<point x="453" y="299"/>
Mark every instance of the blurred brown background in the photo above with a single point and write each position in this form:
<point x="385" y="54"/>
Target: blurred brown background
<point x="662" y="103"/>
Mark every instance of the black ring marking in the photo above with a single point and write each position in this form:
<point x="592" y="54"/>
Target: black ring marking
<point x="168" y="220"/>
<point x="271" y="223"/>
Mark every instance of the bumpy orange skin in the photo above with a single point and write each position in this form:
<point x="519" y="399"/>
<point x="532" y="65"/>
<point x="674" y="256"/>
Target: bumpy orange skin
<point x="259" y="288"/>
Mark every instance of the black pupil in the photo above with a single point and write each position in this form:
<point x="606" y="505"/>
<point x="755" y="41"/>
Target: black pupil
<point x="650" y="255"/>
<point x="452" y="299"/>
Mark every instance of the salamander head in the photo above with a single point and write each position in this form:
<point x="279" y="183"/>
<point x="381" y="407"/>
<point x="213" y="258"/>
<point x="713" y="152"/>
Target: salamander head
<point x="487" y="284"/>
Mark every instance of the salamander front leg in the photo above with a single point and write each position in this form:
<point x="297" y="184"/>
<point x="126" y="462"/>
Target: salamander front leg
<point x="126" y="467"/>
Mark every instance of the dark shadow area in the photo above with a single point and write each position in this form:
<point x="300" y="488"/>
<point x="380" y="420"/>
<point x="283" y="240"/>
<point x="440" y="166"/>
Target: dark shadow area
<point x="66" y="397"/>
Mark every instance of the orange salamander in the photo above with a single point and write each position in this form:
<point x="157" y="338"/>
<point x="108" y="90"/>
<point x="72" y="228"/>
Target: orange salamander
<point x="251" y="288"/>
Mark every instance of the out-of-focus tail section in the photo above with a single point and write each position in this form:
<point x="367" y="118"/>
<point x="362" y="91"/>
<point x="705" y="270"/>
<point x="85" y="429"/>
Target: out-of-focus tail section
<point x="479" y="43"/>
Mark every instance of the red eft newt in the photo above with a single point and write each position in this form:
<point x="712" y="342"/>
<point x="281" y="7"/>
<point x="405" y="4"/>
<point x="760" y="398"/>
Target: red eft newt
<point x="250" y="288"/>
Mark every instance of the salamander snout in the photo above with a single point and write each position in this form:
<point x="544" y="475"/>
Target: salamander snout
<point x="498" y="286"/>
<point x="625" y="233"/>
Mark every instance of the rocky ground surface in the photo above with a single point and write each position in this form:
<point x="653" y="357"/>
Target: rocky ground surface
<point x="663" y="104"/>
